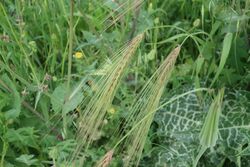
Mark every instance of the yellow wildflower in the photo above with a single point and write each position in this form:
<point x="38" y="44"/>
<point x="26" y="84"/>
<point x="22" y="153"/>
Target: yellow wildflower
<point x="78" y="55"/>
<point x="112" y="110"/>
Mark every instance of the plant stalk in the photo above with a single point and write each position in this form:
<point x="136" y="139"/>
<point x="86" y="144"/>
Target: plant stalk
<point x="70" y="42"/>
<point x="69" y="62"/>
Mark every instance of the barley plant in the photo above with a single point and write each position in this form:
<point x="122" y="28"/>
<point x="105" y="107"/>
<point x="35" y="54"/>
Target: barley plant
<point x="112" y="83"/>
<point x="94" y="110"/>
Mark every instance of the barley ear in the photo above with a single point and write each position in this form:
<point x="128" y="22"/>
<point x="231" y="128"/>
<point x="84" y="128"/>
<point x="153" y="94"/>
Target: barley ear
<point x="145" y="107"/>
<point x="94" y="109"/>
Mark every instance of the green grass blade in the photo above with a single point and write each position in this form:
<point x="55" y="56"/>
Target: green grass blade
<point x="224" y="55"/>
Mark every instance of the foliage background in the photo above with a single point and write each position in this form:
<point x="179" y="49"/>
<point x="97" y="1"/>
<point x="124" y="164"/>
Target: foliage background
<point x="33" y="72"/>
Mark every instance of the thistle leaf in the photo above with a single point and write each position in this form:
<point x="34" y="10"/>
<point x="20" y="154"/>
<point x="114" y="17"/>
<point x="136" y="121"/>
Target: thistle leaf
<point x="180" y="124"/>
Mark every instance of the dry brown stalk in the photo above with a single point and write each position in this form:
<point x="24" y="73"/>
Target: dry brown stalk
<point x="105" y="161"/>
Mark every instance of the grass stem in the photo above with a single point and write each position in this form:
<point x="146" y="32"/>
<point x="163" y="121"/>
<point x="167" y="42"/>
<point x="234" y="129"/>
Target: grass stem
<point x="70" y="42"/>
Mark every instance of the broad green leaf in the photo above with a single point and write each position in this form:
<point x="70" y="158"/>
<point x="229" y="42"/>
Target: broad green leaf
<point x="15" y="100"/>
<point x="90" y="37"/>
<point x="73" y="102"/>
<point x="57" y="98"/>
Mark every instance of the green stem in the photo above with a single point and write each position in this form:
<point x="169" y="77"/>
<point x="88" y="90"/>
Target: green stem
<point x="3" y="155"/>
<point x="201" y="152"/>
<point x="4" y="151"/>
<point x="69" y="63"/>
<point x="70" y="42"/>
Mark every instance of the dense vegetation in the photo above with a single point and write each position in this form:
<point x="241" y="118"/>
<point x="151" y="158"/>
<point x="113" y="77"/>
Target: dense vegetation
<point x="125" y="83"/>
